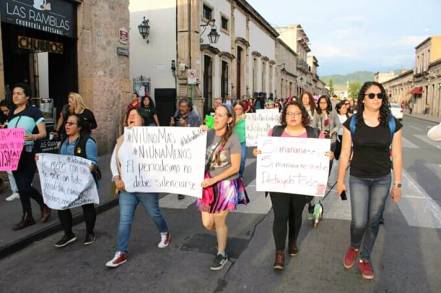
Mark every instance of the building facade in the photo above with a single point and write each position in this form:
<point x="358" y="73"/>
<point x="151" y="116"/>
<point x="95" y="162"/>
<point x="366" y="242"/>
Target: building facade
<point x="59" y="46"/>
<point x="286" y="74"/>
<point x="420" y="87"/>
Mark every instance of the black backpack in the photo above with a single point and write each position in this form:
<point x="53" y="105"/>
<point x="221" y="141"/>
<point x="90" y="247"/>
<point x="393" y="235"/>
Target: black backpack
<point x="311" y="132"/>
<point x="80" y="151"/>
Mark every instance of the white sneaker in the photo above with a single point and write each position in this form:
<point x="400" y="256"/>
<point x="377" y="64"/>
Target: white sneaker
<point x="119" y="258"/>
<point x="165" y="240"/>
<point x="13" y="196"/>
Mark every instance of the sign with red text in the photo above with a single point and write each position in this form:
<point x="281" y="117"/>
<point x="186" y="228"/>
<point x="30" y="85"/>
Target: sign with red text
<point x="11" y="145"/>
<point x="293" y="165"/>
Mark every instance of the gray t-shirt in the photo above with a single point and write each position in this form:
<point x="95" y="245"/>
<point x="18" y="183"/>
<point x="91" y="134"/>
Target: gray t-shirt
<point x="231" y="147"/>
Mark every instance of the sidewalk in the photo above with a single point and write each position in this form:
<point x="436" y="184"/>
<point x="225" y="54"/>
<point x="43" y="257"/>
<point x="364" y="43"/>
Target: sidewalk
<point x="424" y="117"/>
<point x="10" y="213"/>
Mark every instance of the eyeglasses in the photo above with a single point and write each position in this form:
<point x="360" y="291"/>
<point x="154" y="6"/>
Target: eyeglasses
<point x="371" y="96"/>
<point x="70" y="123"/>
<point x="298" y="114"/>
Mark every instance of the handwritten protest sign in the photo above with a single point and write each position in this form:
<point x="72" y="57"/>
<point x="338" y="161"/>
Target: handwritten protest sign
<point x="293" y="165"/>
<point x="11" y="145"/>
<point x="164" y="159"/>
<point x="66" y="181"/>
<point x="258" y="124"/>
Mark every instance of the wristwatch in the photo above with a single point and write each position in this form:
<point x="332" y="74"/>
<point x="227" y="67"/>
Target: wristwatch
<point x="397" y="184"/>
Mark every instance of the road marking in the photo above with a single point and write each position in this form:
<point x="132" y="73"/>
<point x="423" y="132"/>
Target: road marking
<point x="425" y="139"/>
<point x="408" y="144"/>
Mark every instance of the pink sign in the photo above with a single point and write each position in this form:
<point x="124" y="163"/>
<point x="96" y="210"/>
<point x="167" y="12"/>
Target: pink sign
<point x="11" y="145"/>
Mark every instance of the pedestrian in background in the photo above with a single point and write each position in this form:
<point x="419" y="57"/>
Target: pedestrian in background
<point x="239" y="129"/>
<point x="128" y="201"/>
<point x="342" y="114"/>
<point x="148" y="111"/>
<point x="370" y="134"/>
<point x="78" y="143"/>
<point x="223" y="188"/>
<point x="31" y="120"/>
<point x="309" y="103"/>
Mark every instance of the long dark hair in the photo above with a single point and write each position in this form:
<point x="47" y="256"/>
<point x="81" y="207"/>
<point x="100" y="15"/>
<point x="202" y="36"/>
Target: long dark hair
<point x="139" y="113"/>
<point x="305" y="115"/>
<point x="228" y="132"/>
<point x="151" y="104"/>
<point x="311" y="102"/>
<point x="384" y="109"/>
<point x="328" y="101"/>
<point x="339" y="106"/>
<point x="81" y="123"/>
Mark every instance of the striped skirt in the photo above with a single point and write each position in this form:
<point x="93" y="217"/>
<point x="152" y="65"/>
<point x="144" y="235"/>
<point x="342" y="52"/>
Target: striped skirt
<point x="227" y="195"/>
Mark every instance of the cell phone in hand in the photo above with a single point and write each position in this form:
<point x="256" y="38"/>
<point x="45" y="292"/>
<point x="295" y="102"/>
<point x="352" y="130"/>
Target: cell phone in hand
<point x="343" y="195"/>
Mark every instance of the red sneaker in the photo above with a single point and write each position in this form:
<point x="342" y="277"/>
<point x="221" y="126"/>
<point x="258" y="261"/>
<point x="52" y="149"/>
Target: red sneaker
<point x="350" y="257"/>
<point x="117" y="260"/>
<point x="366" y="270"/>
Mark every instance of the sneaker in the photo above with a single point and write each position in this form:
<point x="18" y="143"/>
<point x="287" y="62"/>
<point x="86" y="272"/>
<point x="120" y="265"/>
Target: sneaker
<point x="66" y="240"/>
<point x="350" y="257"/>
<point x="293" y="250"/>
<point x="119" y="258"/>
<point x="181" y="197"/>
<point x="366" y="270"/>
<point x="219" y="262"/>
<point x="90" y="238"/>
<point x="165" y="240"/>
<point x="318" y="213"/>
<point x="13" y="196"/>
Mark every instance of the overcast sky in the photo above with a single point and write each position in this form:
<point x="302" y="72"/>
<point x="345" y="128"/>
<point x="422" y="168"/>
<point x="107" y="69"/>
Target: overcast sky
<point x="352" y="35"/>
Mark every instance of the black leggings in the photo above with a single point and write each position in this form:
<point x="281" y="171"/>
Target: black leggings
<point x="288" y="209"/>
<point x="89" y="212"/>
<point x="24" y="177"/>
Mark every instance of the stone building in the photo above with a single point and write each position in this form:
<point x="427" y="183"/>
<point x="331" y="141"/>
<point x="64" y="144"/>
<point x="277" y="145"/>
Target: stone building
<point x="185" y="63"/>
<point x="286" y="73"/>
<point x="421" y="87"/>
<point x="59" y="46"/>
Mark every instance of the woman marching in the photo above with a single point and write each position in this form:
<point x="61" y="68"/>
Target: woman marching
<point x="148" y="111"/>
<point x="326" y="120"/>
<point x="223" y="188"/>
<point x="78" y="143"/>
<point x="309" y="104"/>
<point x="371" y="133"/>
<point x="288" y="208"/>
<point x="239" y="128"/>
<point x="128" y="201"/>
<point x="31" y="119"/>
<point x="342" y="114"/>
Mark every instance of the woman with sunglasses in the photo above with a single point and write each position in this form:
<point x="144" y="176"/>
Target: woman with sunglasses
<point x="370" y="137"/>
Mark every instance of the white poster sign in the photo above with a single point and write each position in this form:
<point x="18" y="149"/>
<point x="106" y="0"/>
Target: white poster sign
<point x="293" y="165"/>
<point x="164" y="159"/>
<point x="66" y="181"/>
<point x="258" y="124"/>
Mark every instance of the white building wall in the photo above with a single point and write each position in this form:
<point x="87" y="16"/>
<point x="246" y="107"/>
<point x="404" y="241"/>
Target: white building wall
<point x="220" y="7"/>
<point x="153" y="60"/>
<point x="262" y="42"/>
<point x="241" y="24"/>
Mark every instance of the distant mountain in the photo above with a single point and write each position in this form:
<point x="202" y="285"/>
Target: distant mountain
<point x="341" y="80"/>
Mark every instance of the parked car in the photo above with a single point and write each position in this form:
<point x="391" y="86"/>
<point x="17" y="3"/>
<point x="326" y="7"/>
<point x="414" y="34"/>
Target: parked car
<point x="397" y="111"/>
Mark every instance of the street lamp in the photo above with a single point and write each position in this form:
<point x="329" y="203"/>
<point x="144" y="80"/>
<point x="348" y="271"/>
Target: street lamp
<point x="144" y="29"/>
<point x="213" y="36"/>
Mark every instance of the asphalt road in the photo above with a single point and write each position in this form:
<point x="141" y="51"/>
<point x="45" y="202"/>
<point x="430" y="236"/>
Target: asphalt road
<point x="406" y="256"/>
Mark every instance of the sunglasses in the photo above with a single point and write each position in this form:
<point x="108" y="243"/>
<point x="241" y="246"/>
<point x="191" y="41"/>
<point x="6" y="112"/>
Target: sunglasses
<point x="380" y="96"/>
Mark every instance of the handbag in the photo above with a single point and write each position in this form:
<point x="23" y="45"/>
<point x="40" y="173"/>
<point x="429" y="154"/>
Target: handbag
<point x="209" y="192"/>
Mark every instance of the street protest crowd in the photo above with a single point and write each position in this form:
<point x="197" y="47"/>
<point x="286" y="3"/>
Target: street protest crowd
<point x="296" y="140"/>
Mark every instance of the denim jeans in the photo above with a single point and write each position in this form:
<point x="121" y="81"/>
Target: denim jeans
<point x="368" y="198"/>
<point x="243" y="158"/>
<point x="127" y="206"/>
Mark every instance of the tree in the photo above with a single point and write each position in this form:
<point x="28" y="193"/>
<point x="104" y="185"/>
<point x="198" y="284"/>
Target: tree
<point x="331" y="87"/>
<point x="353" y="89"/>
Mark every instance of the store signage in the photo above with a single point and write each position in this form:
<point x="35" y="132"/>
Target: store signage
<point x="122" y="51"/>
<point x="38" y="45"/>
<point x="123" y="36"/>
<point x="52" y="16"/>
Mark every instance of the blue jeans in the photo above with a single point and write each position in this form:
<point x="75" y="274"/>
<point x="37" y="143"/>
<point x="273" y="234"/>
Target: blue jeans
<point x="127" y="206"/>
<point x="243" y="158"/>
<point x="368" y="198"/>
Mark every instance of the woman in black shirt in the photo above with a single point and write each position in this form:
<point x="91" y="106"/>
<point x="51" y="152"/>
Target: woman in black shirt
<point x="372" y="133"/>
<point x="148" y="111"/>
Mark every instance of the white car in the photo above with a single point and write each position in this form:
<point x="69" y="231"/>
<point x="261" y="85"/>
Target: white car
<point x="397" y="111"/>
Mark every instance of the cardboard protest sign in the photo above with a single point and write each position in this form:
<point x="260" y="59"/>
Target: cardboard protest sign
<point x="293" y="165"/>
<point x="258" y="124"/>
<point x="164" y="159"/>
<point x="66" y="181"/>
<point x="11" y="145"/>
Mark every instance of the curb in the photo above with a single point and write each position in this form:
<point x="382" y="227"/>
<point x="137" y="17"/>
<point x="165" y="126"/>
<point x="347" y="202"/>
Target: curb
<point x="53" y="228"/>
<point x="424" y="118"/>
